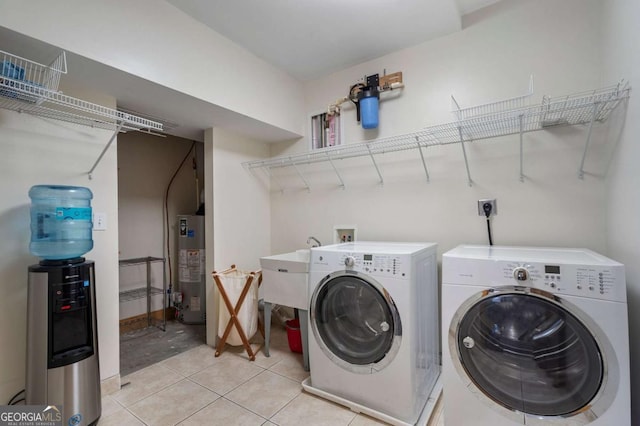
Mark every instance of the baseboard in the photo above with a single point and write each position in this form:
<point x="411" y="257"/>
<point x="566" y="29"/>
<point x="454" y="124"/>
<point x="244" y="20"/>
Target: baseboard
<point x="110" y="385"/>
<point x="140" y="321"/>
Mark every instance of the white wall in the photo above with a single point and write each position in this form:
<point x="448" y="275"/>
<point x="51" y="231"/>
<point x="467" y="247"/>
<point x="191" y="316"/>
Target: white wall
<point x="240" y="214"/>
<point x="39" y="151"/>
<point x="154" y="40"/>
<point x="621" y="59"/>
<point x="146" y="164"/>
<point x="491" y="59"/>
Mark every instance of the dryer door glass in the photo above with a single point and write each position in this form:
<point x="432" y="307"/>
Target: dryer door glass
<point x="354" y="320"/>
<point x="530" y="354"/>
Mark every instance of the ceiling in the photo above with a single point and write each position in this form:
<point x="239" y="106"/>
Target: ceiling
<point x="311" y="39"/>
<point x="305" y="39"/>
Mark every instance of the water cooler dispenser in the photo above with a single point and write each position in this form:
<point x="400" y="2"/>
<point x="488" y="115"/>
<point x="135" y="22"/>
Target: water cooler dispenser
<point x="62" y="341"/>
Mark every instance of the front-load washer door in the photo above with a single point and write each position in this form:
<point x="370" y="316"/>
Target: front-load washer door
<point x="355" y="322"/>
<point x="530" y="352"/>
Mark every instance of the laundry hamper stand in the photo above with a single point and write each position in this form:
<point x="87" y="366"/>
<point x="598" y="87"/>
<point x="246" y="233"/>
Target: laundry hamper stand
<point x="234" y="310"/>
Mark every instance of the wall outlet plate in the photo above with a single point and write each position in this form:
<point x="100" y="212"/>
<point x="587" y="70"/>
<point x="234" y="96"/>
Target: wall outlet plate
<point x="494" y="206"/>
<point x="344" y="233"/>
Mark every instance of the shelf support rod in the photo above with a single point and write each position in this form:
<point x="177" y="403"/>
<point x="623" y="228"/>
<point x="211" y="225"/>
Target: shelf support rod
<point x="424" y="164"/>
<point x="596" y="105"/>
<point x="336" y="170"/>
<point x="464" y="152"/>
<point x="148" y="293"/>
<point x="267" y="171"/>
<point x="375" y="164"/>
<point x="306" y="184"/>
<point x="105" y="150"/>
<point x="521" y="118"/>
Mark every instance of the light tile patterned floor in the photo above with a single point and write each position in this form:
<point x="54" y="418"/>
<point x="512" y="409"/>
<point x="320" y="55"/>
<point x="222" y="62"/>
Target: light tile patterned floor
<point x="196" y="388"/>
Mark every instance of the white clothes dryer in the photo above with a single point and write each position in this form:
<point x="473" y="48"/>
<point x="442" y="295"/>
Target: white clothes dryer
<point x="535" y="336"/>
<point x="375" y="326"/>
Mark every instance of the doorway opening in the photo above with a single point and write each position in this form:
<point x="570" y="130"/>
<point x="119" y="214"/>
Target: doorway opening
<point x="161" y="250"/>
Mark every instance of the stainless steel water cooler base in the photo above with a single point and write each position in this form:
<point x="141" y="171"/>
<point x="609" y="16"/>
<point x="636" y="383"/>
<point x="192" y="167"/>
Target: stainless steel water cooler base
<point x="76" y="385"/>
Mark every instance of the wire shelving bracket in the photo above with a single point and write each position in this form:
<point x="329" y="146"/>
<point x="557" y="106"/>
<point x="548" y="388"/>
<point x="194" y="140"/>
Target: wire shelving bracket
<point x="373" y="159"/>
<point x="306" y="184"/>
<point x="424" y="163"/>
<point x="490" y="121"/>
<point x="29" y="87"/>
<point x="335" y="169"/>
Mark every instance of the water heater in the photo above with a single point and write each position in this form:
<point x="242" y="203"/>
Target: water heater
<point x="191" y="269"/>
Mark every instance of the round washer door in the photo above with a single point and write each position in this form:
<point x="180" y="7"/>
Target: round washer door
<point x="355" y="322"/>
<point x="531" y="353"/>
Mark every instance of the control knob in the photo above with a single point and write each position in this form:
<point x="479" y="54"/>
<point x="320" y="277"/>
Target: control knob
<point x="349" y="261"/>
<point x="521" y="274"/>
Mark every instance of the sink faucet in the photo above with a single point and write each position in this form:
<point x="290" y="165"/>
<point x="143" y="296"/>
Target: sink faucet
<point x="317" y="242"/>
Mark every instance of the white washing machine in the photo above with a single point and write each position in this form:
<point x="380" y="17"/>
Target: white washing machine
<point x="375" y="327"/>
<point x="535" y="336"/>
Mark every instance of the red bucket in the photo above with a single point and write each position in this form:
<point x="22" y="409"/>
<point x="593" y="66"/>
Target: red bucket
<point x="294" y="336"/>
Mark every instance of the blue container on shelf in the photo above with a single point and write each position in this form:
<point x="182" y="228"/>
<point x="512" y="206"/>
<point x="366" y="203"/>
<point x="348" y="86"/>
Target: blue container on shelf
<point x="369" y="109"/>
<point x="60" y="221"/>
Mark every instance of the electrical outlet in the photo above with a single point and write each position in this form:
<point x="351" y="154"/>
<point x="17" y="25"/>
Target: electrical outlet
<point x="494" y="206"/>
<point x="99" y="221"/>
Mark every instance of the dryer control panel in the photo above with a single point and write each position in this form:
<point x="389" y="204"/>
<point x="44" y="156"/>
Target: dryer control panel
<point x="578" y="272"/>
<point x="580" y="280"/>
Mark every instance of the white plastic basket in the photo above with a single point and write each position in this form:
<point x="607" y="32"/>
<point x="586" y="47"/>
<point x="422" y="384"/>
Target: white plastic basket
<point x="29" y="81"/>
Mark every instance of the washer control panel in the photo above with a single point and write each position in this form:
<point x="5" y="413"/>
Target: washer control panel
<point x="374" y="264"/>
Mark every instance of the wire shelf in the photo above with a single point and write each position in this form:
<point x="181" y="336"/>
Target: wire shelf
<point x="140" y="260"/>
<point x="359" y="149"/>
<point x="138" y="293"/>
<point x="580" y="108"/>
<point x="20" y="74"/>
<point x="498" y="107"/>
<point x="23" y="97"/>
<point x="148" y="291"/>
<point x="29" y="87"/>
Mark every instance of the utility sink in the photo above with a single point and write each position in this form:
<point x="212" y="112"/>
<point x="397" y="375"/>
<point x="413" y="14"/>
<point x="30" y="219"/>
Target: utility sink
<point x="285" y="278"/>
<point x="285" y="281"/>
<point x="292" y="262"/>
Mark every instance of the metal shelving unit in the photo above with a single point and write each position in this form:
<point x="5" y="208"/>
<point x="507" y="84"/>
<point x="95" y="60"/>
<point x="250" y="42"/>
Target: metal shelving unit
<point x="149" y="290"/>
<point x="477" y="123"/>
<point x="29" y="87"/>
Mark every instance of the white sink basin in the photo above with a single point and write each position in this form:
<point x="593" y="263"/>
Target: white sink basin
<point x="292" y="262"/>
<point x="285" y="279"/>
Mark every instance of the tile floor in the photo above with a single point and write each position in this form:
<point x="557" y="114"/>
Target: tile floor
<point x="196" y="388"/>
<point x="147" y="346"/>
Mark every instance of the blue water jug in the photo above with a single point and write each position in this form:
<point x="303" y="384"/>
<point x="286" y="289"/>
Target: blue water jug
<point x="60" y="221"/>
